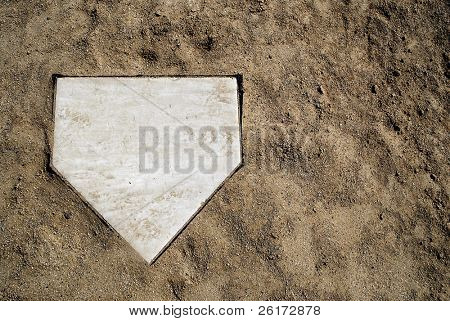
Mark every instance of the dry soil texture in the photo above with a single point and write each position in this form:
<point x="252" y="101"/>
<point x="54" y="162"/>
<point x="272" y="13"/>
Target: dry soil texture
<point x="346" y="197"/>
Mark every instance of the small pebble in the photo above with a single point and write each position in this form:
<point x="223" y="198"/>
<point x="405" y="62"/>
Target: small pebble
<point x="374" y="89"/>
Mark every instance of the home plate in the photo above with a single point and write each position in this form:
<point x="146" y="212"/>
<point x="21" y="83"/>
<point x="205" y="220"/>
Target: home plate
<point x="146" y="152"/>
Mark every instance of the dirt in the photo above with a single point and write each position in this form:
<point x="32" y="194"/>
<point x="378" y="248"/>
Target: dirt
<point x="344" y="191"/>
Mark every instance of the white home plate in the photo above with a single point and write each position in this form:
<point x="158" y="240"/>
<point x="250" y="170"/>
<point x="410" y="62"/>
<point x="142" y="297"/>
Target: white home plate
<point x="146" y="152"/>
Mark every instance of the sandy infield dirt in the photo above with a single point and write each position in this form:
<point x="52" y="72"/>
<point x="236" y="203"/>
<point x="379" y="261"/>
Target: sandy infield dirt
<point x="344" y="190"/>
